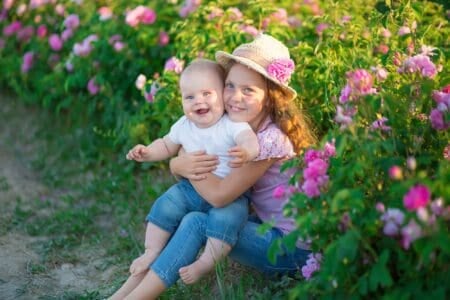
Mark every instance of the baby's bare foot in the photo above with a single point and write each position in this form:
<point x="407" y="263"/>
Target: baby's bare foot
<point x="192" y="273"/>
<point x="142" y="263"/>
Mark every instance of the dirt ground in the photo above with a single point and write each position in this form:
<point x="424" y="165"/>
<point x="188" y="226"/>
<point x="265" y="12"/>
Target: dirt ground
<point x="18" y="182"/>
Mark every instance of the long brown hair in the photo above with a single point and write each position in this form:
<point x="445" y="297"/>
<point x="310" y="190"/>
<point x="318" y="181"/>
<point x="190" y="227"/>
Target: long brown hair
<point x="290" y="119"/>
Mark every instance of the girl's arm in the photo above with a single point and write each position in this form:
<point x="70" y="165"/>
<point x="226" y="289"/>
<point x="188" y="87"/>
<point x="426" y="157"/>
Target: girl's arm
<point x="193" y="165"/>
<point x="220" y="192"/>
<point x="197" y="167"/>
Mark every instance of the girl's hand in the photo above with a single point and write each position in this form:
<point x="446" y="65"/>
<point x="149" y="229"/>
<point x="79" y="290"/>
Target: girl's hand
<point x="137" y="153"/>
<point x="194" y="165"/>
<point x="240" y="157"/>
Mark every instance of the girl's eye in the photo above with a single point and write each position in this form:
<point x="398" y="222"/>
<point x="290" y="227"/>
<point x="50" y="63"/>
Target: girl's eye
<point x="229" y="85"/>
<point x="248" y="90"/>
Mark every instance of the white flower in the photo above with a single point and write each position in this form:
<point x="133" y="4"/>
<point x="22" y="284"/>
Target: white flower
<point x="428" y="50"/>
<point x="140" y="81"/>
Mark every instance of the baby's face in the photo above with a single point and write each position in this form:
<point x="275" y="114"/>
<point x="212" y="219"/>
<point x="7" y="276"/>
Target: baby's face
<point x="201" y="94"/>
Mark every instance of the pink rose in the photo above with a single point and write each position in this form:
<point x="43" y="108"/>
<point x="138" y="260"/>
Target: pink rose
<point x="105" y="13"/>
<point x="316" y="168"/>
<point x="92" y="87"/>
<point x="27" y="63"/>
<point x="418" y="196"/>
<point x="55" y="42"/>
<point x="163" y="38"/>
<point x="41" y="31"/>
<point x="174" y="64"/>
<point x="148" y="16"/>
<point x="396" y="173"/>
<point x="12" y="28"/>
<point x="72" y="21"/>
<point x="281" y="69"/>
<point x="311" y="188"/>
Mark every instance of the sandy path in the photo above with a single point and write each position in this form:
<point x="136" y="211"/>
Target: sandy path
<point x="18" y="182"/>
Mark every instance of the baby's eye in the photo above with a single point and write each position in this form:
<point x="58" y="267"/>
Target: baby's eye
<point x="229" y="85"/>
<point x="189" y="97"/>
<point x="206" y="94"/>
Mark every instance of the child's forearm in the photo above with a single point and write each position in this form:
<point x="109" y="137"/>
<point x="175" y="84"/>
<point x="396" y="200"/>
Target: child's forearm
<point x="249" y="142"/>
<point x="252" y="148"/>
<point x="158" y="150"/>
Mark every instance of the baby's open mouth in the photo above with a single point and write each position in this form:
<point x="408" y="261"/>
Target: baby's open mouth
<point x="202" y="111"/>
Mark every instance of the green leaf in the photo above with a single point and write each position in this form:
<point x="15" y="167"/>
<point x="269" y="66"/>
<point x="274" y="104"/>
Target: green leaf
<point x="363" y="285"/>
<point x="379" y="275"/>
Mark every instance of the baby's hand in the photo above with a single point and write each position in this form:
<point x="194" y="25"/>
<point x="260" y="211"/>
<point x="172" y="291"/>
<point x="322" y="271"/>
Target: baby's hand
<point x="137" y="153"/>
<point x="240" y="156"/>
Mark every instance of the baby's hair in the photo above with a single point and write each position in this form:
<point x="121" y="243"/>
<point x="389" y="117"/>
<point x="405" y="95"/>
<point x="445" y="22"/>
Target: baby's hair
<point x="202" y="64"/>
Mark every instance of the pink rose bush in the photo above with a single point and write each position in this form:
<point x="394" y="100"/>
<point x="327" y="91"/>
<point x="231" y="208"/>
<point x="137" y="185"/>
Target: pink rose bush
<point x="359" y="84"/>
<point x="315" y="176"/>
<point x="312" y="265"/>
<point x="174" y="64"/>
<point x="27" y="62"/>
<point x="417" y="199"/>
<point x="12" y="28"/>
<point x="440" y="116"/>
<point x="140" y="15"/>
<point x="85" y="47"/>
<point x="188" y="7"/>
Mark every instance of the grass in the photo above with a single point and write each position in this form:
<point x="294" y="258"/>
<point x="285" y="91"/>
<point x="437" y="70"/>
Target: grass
<point x="97" y="205"/>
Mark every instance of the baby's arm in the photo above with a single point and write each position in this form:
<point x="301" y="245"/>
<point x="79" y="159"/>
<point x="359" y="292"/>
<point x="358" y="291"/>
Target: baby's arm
<point x="159" y="149"/>
<point x="246" y="150"/>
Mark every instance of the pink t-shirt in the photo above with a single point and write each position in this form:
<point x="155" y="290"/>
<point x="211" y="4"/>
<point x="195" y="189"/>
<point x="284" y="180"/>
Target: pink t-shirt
<point x="273" y="143"/>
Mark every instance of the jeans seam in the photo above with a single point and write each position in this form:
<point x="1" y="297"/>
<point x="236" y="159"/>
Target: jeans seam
<point x="157" y="223"/>
<point x="165" y="277"/>
<point x="221" y="236"/>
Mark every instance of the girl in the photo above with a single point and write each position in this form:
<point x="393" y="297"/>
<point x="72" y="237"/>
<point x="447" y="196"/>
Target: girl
<point x="256" y="91"/>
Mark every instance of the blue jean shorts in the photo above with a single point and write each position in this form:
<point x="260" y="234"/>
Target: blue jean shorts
<point x="223" y="223"/>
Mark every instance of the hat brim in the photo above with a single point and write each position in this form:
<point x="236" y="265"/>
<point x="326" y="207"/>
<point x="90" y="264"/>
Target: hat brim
<point x="225" y="59"/>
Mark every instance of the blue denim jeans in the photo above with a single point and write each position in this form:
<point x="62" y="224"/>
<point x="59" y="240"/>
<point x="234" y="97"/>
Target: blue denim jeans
<point x="223" y="223"/>
<point x="251" y="249"/>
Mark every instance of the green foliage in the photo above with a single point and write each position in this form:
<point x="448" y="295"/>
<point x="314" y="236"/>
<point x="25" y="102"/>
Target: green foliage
<point x="359" y="260"/>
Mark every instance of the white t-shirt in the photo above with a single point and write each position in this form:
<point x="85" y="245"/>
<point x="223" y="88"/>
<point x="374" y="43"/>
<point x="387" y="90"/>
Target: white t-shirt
<point x="216" y="139"/>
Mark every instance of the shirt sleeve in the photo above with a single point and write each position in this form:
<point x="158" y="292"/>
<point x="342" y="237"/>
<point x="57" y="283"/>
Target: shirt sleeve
<point x="175" y="130"/>
<point x="273" y="143"/>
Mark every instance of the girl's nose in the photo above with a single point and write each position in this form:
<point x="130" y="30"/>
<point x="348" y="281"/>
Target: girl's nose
<point x="235" y="96"/>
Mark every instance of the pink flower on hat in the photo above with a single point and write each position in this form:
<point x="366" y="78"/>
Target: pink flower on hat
<point x="281" y="69"/>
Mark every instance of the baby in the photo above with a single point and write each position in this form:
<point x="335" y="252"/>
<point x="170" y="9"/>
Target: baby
<point x="204" y="126"/>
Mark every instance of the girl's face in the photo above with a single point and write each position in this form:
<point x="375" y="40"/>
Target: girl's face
<point x="245" y="95"/>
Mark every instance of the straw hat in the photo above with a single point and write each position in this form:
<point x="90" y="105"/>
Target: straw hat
<point x="265" y="55"/>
